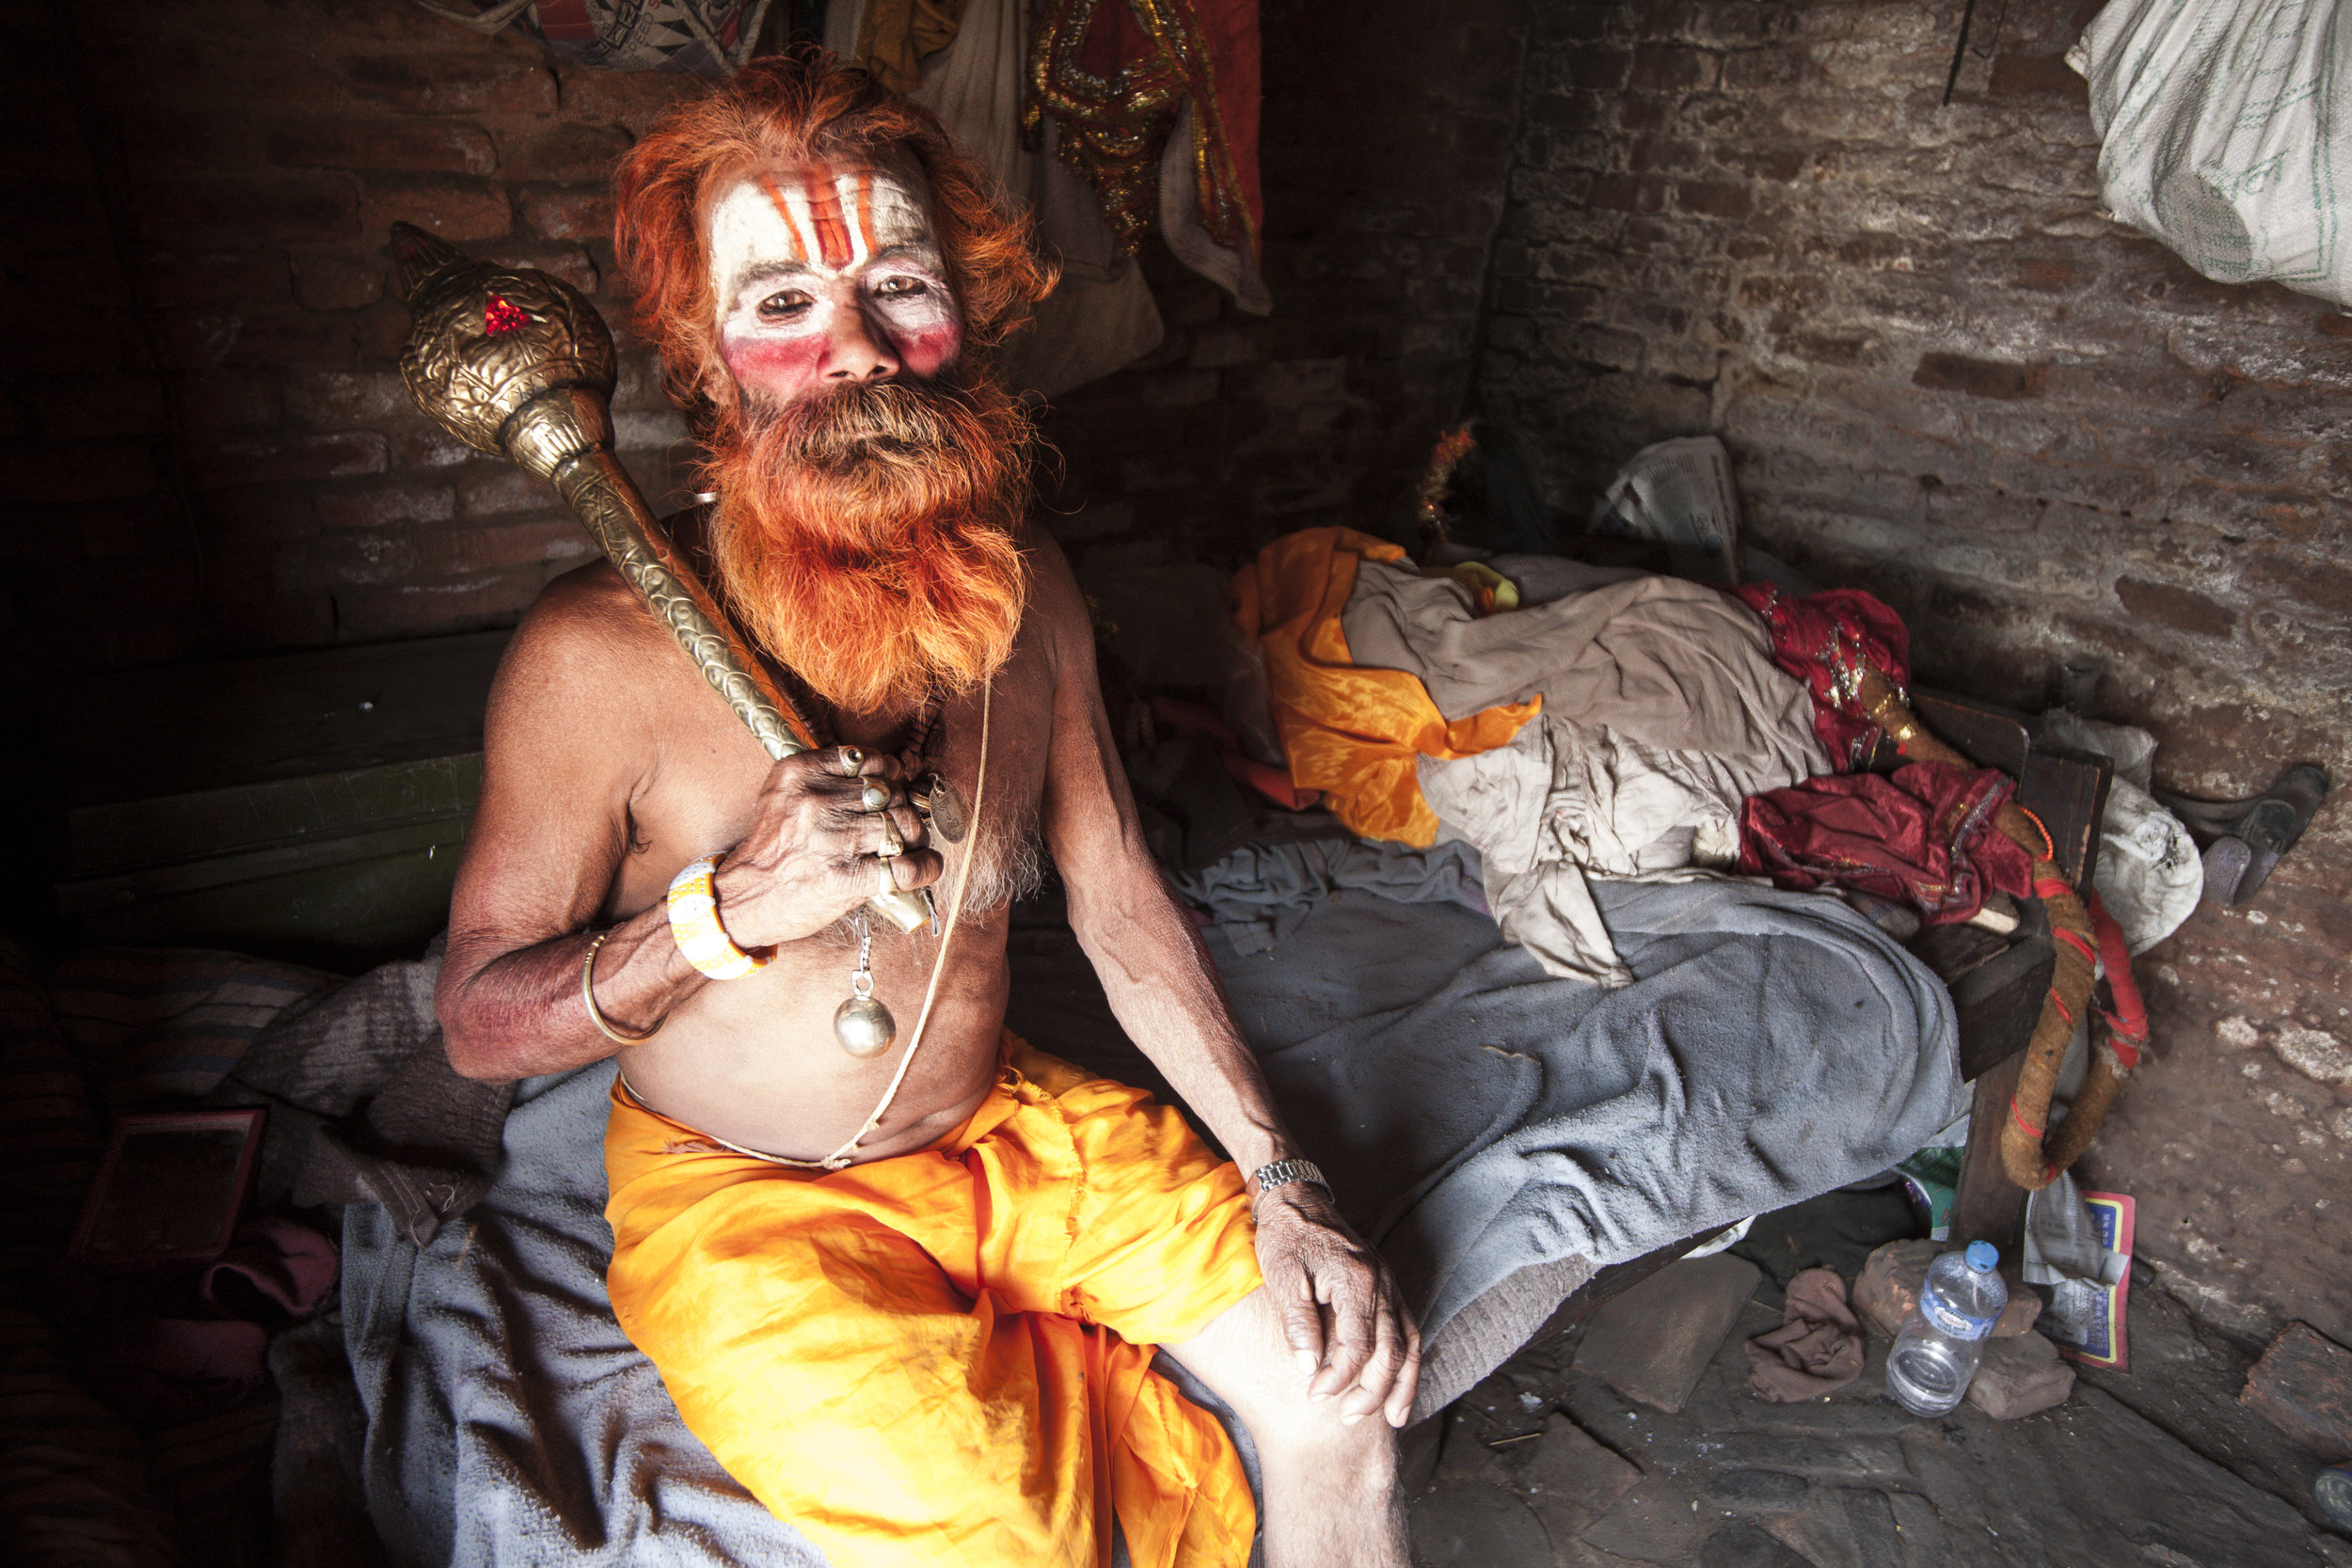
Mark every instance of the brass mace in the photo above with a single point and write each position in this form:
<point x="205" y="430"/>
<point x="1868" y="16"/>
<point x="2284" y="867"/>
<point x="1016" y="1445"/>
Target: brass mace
<point x="519" y="365"/>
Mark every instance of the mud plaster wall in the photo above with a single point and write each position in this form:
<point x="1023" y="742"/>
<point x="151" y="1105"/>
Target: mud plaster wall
<point x="1946" y="377"/>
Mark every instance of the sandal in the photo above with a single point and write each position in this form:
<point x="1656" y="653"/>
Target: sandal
<point x="2245" y="838"/>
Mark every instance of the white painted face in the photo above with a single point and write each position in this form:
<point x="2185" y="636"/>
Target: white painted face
<point x="825" y="275"/>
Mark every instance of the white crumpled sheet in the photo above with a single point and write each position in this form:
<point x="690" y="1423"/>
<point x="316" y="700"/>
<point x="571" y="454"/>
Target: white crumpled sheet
<point x="2149" y="875"/>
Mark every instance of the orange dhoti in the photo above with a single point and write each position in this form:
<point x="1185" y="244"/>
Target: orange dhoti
<point x="944" y="1358"/>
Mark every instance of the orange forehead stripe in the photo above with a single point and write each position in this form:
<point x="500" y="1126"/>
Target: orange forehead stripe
<point x="866" y="213"/>
<point x="784" y="210"/>
<point x="824" y="211"/>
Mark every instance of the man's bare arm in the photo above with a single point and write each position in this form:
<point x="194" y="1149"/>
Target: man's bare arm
<point x="1164" y="989"/>
<point x="1154" y="971"/>
<point x="562" y="760"/>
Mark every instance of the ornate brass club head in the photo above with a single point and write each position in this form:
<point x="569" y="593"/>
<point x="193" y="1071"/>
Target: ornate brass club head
<point x="516" y="364"/>
<point x="519" y="365"/>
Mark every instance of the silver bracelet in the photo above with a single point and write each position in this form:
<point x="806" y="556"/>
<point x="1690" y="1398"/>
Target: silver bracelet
<point x="1282" y="1173"/>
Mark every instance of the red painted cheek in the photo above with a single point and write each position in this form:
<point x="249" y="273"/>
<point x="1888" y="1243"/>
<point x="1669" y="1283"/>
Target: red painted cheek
<point x="782" y="367"/>
<point x="927" y="352"/>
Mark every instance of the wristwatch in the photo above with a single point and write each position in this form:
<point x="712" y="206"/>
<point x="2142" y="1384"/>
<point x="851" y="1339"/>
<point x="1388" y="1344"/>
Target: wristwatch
<point x="1282" y="1173"/>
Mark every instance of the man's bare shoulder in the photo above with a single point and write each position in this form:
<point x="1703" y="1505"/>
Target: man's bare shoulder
<point x="586" y="649"/>
<point x="1057" y="602"/>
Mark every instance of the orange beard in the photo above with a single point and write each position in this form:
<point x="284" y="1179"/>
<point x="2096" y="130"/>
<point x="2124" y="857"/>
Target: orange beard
<point x="868" y="537"/>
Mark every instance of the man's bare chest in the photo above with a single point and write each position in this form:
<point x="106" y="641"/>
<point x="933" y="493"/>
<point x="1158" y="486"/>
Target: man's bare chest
<point x="699" y="792"/>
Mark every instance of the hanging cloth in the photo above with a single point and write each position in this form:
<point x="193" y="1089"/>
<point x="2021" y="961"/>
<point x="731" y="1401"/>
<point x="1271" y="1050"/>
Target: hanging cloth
<point x="1157" y="102"/>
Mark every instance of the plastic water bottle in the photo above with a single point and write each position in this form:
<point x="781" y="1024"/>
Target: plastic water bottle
<point x="1937" y="1351"/>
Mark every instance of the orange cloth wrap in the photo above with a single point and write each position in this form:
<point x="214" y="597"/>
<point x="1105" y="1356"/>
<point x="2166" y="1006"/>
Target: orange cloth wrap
<point x="1351" y="733"/>
<point x="944" y="1358"/>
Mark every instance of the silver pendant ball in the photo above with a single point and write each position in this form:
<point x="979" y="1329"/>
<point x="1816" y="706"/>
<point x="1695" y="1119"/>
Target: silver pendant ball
<point x="865" y="1027"/>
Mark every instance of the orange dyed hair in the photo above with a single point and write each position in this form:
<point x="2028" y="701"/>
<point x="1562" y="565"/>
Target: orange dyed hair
<point x="794" y="108"/>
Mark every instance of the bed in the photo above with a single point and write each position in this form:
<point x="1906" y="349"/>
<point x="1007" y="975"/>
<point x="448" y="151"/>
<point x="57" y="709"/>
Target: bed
<point x="1499" y="1133"/>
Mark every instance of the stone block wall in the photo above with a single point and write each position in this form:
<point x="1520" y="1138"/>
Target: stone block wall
<point x="1945" y="376"/>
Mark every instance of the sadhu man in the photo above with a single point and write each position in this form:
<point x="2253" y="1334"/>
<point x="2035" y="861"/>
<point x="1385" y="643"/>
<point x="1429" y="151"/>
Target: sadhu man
<point x="920" y="1333"/>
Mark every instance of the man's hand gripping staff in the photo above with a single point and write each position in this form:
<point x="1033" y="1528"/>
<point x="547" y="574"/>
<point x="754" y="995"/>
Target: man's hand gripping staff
<point x="823" y="818"/>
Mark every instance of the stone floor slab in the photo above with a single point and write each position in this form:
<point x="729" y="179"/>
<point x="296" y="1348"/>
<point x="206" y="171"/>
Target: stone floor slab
<point x="1653" y="1343"/>
<point x="1570" y="1480"/>
<point x="1757" y="1489"/>
<point x="1855" y="1482"/>
<point x="2303" y="1386"/>
<point x="1745" y="1546"/>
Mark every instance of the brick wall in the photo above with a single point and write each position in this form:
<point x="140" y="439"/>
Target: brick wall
<point x="1948" y="378"/>
<point x="207" y="429"/>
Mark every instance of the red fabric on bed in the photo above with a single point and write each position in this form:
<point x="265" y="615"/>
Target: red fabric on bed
<point x="1821" y="639"/>
<point x="1923" y="835"/>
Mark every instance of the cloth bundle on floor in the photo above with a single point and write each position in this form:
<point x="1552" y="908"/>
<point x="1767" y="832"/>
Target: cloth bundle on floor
<point x="1656" y="708"/>
<point x="1351" y="729"/>
<point x="1817" y="1348"/>
<point x="1826" y="641"/>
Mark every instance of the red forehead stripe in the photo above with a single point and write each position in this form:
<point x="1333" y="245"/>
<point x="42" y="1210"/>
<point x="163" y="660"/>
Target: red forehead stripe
<point x="834" y="244"/>
<point x="866" y="213"/>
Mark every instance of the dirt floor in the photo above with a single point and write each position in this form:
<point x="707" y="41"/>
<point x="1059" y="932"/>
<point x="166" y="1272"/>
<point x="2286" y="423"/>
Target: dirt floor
<point x="1545" y="1465"/>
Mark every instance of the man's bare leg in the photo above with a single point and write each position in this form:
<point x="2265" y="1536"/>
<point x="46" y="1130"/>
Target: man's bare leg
<point x="1330" y="1487"/>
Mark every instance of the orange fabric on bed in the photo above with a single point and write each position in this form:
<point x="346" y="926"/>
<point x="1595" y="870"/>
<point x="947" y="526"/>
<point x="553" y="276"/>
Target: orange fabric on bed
<point x="944" y="1358"/>
<point x="1351" y="733"/>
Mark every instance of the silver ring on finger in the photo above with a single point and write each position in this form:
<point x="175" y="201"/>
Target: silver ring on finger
<point x="891" y="844"/>
<point x="873" y="797"/>
<point x="887" y="883"/>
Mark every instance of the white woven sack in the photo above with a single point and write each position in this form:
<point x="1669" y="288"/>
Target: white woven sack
<point x="2228" y="132"/>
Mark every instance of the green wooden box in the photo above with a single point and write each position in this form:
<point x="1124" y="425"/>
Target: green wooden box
<point x="307" y="806"/>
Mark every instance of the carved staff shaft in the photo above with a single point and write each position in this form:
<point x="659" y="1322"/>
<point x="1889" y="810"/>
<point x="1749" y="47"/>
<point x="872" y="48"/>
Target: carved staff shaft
<point x="519" y="365"/>
<point x="601" y="495"/>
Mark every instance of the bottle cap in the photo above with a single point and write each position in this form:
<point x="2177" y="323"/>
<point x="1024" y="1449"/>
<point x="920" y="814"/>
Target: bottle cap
<point x="1983" y="1256"/>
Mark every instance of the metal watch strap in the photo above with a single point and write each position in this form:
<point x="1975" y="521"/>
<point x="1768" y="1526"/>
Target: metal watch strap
<point x="1282" y="1173"/>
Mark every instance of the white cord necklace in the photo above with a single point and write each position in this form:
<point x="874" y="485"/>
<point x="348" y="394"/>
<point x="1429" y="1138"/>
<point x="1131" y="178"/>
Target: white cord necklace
<point x="841" y="1157"/>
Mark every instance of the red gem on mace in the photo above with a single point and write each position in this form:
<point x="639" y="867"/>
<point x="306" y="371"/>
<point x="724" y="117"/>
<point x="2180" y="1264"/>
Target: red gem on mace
<point x="501" y="316"/>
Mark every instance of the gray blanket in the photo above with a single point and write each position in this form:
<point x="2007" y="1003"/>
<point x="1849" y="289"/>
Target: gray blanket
<point x="1490" y="1125"/>
<point x="1490" y="1118"/>
<point x="509" y="1419"/>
